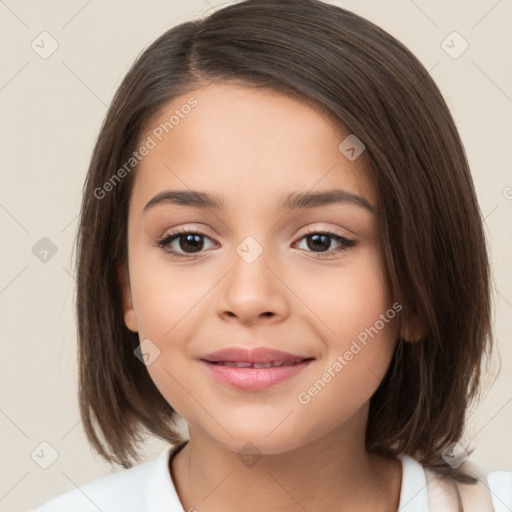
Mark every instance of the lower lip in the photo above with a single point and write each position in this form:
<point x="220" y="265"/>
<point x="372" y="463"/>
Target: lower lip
<point x="254" y="379"/>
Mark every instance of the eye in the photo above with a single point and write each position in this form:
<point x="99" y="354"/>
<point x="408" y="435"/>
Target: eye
<point x="321" y="240"/>
<point x="190" y="242"/>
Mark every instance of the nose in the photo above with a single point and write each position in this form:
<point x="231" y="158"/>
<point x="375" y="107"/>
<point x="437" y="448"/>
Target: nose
<point x="254" y="291"/>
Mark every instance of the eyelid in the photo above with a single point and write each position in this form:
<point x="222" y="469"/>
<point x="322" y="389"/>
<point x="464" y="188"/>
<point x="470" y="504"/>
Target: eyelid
<point x="346" y="243"/>
<point x="314" y="228"/>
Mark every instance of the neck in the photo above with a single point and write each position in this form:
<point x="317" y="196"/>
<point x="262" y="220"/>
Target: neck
<point x="334" y="472"/>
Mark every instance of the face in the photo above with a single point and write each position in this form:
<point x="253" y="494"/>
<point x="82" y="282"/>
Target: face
<point x="253" y="272"/>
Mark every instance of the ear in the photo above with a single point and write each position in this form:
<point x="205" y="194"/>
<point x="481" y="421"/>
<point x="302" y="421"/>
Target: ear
<point x="129" y="314"/>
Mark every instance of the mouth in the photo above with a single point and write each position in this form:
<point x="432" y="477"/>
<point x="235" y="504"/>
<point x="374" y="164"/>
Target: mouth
<point x="248" y="364"/>
<point x="249" y="376"/>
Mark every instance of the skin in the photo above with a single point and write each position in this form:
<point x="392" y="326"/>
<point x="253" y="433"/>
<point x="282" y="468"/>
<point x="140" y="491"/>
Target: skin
<point x="251" y="146"/>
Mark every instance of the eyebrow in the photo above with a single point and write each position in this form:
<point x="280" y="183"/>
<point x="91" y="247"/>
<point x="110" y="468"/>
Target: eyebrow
<point x="291" y="201"/>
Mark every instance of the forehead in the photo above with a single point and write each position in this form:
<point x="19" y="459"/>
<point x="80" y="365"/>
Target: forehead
<point x="242" y="143"/>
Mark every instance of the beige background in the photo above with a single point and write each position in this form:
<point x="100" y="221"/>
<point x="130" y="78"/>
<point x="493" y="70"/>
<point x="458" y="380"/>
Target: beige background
<point x="51" y="113"/>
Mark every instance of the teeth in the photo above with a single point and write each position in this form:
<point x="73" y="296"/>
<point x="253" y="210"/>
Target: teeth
<point x="262" y="365"/>
<point x="270" y="364"/>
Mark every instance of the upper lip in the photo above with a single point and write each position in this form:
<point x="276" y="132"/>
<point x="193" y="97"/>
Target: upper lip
<point x="255" y="355"/>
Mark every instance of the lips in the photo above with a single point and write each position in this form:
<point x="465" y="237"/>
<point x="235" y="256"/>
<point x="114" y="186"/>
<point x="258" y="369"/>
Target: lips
<point x="259" y="355"/>
<point x="254" y="370"/>
<point x="270" y="364"/>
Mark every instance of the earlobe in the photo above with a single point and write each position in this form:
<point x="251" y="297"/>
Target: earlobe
<point x="129" y="313"/>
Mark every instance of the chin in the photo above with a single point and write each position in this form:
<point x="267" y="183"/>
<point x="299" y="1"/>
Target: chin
<point x="256" y="441"/>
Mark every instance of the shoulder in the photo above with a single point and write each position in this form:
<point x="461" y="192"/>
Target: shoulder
<point x="100" y="494"/>
<point x="491" y="493"/>
<point x="500" y="485"/>
<point x="127" y="490"/>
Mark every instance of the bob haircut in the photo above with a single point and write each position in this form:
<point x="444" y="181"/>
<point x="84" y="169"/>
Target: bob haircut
<point x="430" y="223"/>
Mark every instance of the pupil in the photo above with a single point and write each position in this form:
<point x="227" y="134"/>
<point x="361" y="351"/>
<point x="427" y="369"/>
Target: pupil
<point x="195" y="242"/>
<point x="321" y="247"/>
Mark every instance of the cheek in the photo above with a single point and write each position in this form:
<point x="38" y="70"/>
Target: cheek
<point x="348" y="299"/>
<point x="356" y="321"/>
<point x="165" y="296"/>
<point x="167" y="303"/>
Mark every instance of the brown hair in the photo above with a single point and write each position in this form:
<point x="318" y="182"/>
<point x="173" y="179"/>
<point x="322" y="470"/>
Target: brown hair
<point x="430" y="224"/>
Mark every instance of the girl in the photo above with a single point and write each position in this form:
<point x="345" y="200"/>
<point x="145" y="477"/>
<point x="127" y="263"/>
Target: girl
<point x="280" y="243"/>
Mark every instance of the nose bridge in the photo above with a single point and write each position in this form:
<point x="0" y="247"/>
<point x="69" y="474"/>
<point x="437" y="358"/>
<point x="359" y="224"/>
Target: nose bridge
<point x="252" y="287"/>
<point x="251" y="261"/>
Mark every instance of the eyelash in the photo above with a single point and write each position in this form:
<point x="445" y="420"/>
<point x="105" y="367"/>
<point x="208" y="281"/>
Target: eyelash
<point x="346" y="244"/>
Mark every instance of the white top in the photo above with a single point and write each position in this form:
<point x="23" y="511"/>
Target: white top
<point x="149" y="487"/>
